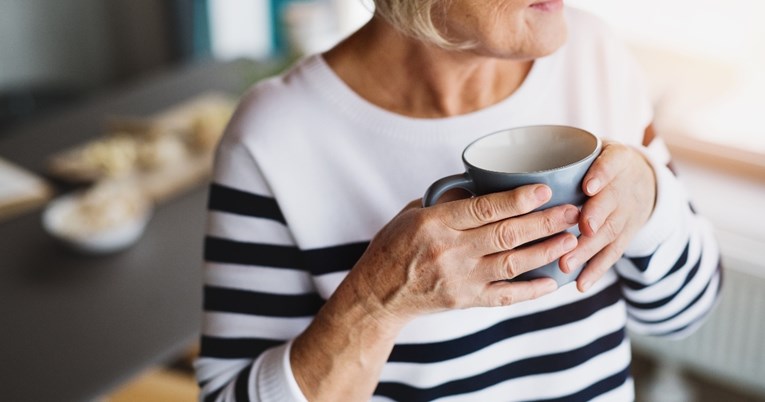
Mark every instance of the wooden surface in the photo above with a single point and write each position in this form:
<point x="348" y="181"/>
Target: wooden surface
<point x="157" y="385"/>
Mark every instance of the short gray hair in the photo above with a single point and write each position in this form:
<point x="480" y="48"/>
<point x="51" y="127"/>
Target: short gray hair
<point x="414" y="18"/>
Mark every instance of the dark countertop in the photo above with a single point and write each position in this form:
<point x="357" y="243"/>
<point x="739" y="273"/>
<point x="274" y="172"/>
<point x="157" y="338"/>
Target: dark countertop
<point x="75" y="326"/>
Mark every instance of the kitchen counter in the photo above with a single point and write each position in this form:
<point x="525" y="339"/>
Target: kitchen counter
<point x="75" y="326"/>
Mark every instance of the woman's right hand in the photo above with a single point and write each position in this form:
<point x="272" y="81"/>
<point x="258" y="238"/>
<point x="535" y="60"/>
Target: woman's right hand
<point x="458" y="254"/>
<point x="451" y="255"/>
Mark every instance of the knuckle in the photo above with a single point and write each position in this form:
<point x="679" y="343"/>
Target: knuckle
<point x="451" y="300"/>
<point x="504" y="299"/>
<point x="613" y="254"/>
<point x="552" y="252"/>
<point x="483" y="209"/>
<point x="425" y="224"/>
<point x="506" y="236"/>
<point x="510" y="266"/>
<point x="548" y="224"/>
<point x="611" y="229"/>
<point x="434" y="252"/>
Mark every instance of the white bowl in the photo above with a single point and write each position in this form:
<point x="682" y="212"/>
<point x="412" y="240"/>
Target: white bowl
<point x="103" y="241"/>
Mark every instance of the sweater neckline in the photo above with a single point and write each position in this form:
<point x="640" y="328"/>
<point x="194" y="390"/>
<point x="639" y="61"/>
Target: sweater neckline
<point x="327" y="84"/>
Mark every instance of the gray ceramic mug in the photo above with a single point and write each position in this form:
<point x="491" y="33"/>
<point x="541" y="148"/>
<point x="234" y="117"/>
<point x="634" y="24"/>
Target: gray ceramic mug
<point x="558" y="156"/>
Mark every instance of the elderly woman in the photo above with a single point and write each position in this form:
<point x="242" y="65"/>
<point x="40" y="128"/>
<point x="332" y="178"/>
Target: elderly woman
<point x="320" y="287"/>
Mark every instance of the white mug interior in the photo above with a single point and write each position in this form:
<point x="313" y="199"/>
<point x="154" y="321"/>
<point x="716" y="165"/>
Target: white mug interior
<point x="531" y="149"/>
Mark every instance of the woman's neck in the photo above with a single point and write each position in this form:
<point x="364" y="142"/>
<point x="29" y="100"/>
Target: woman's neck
<point x="415" y="79"/>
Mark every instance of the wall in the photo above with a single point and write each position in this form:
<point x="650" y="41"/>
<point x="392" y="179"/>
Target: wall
<point x="53" y="42"/>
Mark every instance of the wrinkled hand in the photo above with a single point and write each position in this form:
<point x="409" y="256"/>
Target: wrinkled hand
<point x="622" y="187"/>
<point x="458" y="254"/>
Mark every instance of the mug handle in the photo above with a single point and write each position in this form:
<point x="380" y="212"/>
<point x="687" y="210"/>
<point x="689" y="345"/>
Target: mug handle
<point x="437" y="189"/>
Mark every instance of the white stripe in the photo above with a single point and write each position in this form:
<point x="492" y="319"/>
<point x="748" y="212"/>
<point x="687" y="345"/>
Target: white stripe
<point x="248" y="229"/>
<point x="232" y="325"/>
<point x="258" y="279"/>
<point x="532" y="344"/>
<point x="707" y="268"/>
<point x="235" y="168"/>
<point x="440" y="326"/>
<point x="662" y="260"/>
<point x="553" y="385"/>
<point x="693" y="313"/>
<point x="228" y="394"/>
<point x="218" y="371"/>
<point x="210" y="367"/>
<point x="659" y="151"/>
<point x="327" y="283"/>
<point x="669" y="285"/>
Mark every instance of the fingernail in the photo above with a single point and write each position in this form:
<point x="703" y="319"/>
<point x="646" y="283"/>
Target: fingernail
<point x="585" y="286"/>
<point x="571" y="215"/>
<point x="542" y="193"/>
<point x="569" y="243"/>
<point x="572" y="264"/>
<point x="593" y="225"/>
<point x="593" y="186"/>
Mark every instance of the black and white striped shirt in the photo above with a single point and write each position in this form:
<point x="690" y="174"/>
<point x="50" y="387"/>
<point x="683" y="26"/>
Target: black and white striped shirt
<point x="308" y="172"/>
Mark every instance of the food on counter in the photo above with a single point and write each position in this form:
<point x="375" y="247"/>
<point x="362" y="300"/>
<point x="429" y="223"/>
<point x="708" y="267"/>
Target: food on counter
<point x="161" y="150"/>
<point x="105" y="206"/>
<point x="113" y="156"/>
<point x="208" y="126"/>
<point x="180" y="136"/>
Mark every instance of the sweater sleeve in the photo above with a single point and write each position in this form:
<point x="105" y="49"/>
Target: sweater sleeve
<point x="257" y="297"/>
<point x="670" y="272"/>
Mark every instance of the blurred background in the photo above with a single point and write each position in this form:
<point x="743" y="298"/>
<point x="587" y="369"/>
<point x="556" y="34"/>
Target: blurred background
<point x="123" y="97"/>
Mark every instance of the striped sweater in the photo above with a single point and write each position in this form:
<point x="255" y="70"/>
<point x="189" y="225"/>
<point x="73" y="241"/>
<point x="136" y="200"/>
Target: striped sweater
<point x="308" y="172"/>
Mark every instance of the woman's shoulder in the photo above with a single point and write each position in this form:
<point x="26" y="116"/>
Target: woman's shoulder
<point x="275" y="102"/>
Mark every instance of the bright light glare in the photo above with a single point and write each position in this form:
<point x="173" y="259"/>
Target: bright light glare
<point x="727" y="33"/>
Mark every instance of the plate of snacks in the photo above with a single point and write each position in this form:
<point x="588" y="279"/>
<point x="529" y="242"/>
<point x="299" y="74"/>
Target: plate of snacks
<point x="108" y="217"/>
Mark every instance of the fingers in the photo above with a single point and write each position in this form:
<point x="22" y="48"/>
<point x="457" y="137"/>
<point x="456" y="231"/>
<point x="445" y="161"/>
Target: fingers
<point x="509" y="264"/>
<point x="478" y="211"/>
<point x="511" y="233"/>
<point x="596" y="210"/>
<point x="599" y="265"/>
<point x="605" y="168"/>
<point x="506" y="293"/>
<point x="600" y="252"/>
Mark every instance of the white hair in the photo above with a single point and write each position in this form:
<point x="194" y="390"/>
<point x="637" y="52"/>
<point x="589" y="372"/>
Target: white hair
<point x="414" y="18"/>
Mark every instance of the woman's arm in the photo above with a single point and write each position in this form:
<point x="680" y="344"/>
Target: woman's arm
<point x="259" y="297"/>
<point x="640" y="219"/>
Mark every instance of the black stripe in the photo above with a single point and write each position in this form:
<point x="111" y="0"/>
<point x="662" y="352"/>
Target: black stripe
<point x="264" y="304"/>
<point x="212" y="396"/>
<point x="453" y="348"/>
<point x="227" y="199"/>
<point x="687" y="306"/>
<point x="234" y="252"/>
<point x="236" y="348"/>
<point x="599" y="388"/>
<point x="641" y="263"/>
<point x="532" y="366"/>
<point x="327" y="260"/>
<point x="679" y="263"/>
<point x="701" y="316"/>
<point x="241" y="393"/>
<point x="661" y="302"/>
<point x="317" y="261"/>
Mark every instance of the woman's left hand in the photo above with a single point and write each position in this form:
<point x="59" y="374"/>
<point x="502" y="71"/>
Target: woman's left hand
<point x="622" y="189"/>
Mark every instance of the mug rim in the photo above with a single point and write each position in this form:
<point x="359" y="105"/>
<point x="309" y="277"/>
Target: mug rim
<point x="595" y="152"/>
